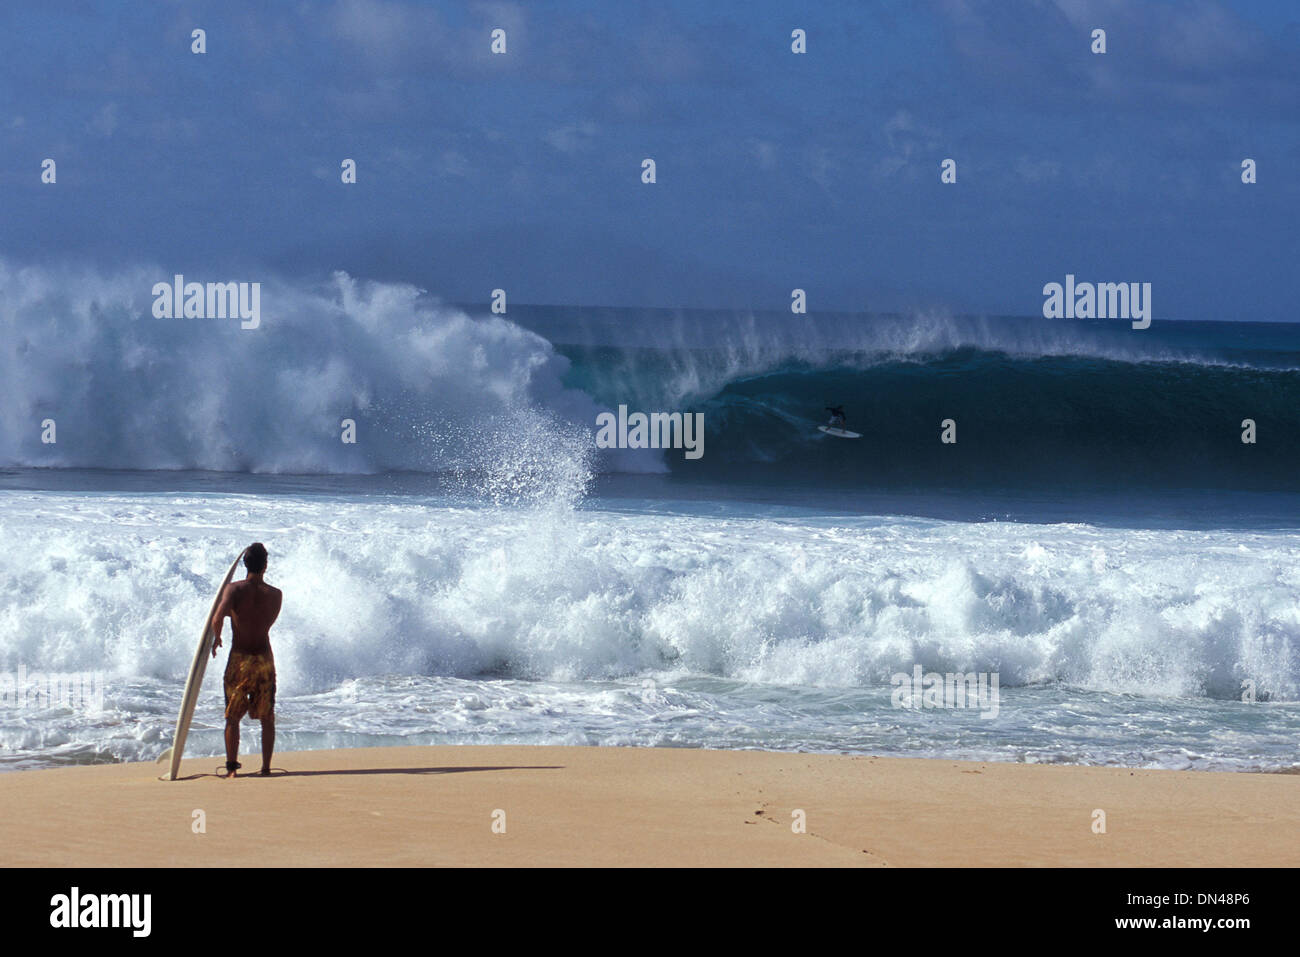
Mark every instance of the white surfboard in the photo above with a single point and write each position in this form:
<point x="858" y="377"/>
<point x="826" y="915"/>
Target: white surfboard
<point x="195" y="680"/>
<point x="840" y="433"/>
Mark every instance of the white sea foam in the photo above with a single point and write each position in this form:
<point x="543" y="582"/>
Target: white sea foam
<point x="430" y="387"/>
<point x="383" y="586"/>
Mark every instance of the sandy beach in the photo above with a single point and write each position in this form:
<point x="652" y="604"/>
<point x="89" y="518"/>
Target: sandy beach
<point x="431" y="806"/>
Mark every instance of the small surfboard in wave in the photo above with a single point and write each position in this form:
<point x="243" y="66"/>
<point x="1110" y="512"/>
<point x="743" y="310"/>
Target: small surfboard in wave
<point x="840" y="433"/>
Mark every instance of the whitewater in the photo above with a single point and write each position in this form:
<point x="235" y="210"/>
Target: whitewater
<point x="429" y="620"/>
<point x="474" y="571"/>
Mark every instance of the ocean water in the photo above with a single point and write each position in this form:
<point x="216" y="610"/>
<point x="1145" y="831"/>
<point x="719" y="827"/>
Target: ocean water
<point x="474" y="571"/>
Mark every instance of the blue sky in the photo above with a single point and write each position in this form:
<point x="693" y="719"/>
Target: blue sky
<point x="775" y="170"/>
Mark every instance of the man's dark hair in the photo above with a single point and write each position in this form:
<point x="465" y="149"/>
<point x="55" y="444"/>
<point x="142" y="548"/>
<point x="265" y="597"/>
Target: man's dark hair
<point x="255" y="557"/>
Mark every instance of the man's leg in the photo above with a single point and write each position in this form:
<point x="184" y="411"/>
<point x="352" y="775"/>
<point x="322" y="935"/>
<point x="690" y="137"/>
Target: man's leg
<point x="232" y="743"/>
<point x="268" y="741"/>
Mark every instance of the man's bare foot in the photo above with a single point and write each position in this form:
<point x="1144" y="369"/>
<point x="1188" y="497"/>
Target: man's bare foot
<point x="266" y="772"/>
<point x="232" y="767"/>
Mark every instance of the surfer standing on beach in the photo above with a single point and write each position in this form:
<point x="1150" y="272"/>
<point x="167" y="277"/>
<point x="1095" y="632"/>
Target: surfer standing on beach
<point x="253" y="606"/>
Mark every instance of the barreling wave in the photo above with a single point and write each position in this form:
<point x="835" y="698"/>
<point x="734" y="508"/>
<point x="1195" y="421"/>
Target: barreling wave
<point x="1034" y="402"/>
<point x="1049" y="421"/>
<point x="512" y="403"/>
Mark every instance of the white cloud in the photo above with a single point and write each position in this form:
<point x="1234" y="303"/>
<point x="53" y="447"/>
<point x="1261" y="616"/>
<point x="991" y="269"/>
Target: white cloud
<point x="573" y="137"/>
<point x="1037" y="171"/>
<point x="105" y="121"/>
<point x="454" y="163"/>
<point x="764" y="154"/>
<point x="906" y="136"/>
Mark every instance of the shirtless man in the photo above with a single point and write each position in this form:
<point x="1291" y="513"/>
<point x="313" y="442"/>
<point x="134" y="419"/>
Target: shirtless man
<point x="253" y="606"/>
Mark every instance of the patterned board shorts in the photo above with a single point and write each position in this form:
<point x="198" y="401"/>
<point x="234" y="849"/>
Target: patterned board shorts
<point x="250" y="686"/>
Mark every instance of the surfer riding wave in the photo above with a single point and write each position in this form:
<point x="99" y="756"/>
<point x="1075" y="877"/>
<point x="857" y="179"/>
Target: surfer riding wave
<point x="253" y="607"/>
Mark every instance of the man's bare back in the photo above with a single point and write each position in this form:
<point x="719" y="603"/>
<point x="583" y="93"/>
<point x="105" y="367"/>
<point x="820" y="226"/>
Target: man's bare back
<point x="253" y="607"/>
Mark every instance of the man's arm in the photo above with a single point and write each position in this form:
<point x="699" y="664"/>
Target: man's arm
<point x="223" y="609"/>
<point x="279" y="601"/>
